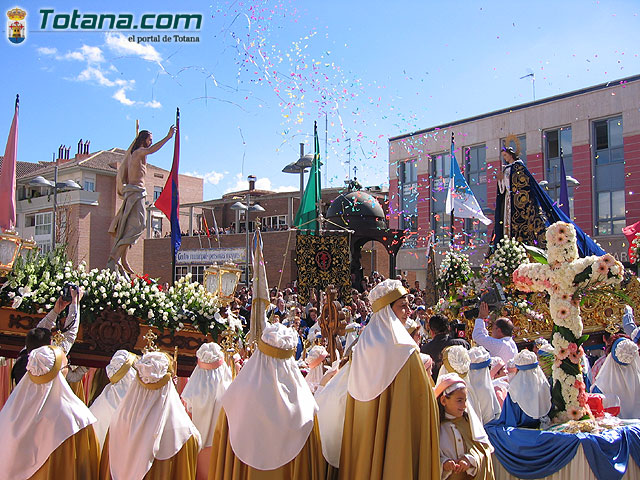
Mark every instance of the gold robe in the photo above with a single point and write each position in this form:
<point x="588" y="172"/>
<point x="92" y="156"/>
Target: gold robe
<point x="182" y="466"/>
<point x="78" y="389"/>
<point x="309" y="464"/>
<point x="395" y="436"/>
<point x="77" y="458"/>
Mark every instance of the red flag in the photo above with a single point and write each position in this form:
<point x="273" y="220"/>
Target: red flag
<point x="8" y="176"/>
<point x="206" y="226"/>
<point x="630" y="232"/>
<point x="169" y="200"/>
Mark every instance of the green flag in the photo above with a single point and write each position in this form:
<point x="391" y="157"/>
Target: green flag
<point x="307" y="216"/>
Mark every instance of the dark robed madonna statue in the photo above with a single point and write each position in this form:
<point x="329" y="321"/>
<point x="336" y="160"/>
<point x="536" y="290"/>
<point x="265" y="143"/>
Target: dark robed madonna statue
<point x="524" y="210"/>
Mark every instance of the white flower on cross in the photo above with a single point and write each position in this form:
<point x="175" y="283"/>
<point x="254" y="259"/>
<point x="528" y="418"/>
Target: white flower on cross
<point x="563" y="278"/>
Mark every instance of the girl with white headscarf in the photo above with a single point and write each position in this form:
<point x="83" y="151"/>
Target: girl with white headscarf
<point x="203" y="397"/>
<point x="121" y="376"/>
<point x="267" y="426"/>
<point x="620" y="375"/>
<point x="150" y="435"/>
<point x="529" y="395"/>
<point x="486" y="403"/>
<point x="47" y="429"/>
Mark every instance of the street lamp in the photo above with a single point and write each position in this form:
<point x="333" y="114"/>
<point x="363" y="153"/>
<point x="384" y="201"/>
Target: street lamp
<point x="247" y="207"/>
<point x="221" y="280"/>
<point x="40" y="181"/>
<point x="300" y="166"/>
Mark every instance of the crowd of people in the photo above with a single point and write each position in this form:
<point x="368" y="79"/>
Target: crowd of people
<point x="402" y="380"/>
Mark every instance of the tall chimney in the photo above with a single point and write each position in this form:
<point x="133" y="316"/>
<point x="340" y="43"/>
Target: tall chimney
<point x="86" y="147"/>
<point x="79" y="147"/>
<point x="66" y="153"/>
<point x="252" y="182"/>
<point x="60" y="150"/>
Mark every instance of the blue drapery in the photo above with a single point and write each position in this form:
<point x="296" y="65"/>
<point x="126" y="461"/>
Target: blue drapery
<point x="533" y="454"/>
<point x="513" y="416"/>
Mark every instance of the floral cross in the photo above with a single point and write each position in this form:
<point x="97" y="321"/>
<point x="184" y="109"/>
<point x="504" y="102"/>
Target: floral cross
<point x="565" y="278"/>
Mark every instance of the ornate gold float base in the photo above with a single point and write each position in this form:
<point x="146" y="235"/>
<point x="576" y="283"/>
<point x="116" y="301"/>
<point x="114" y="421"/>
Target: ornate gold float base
<point x="98" y="341"/>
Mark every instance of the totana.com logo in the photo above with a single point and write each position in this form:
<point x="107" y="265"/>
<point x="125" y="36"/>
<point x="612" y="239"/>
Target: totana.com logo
<point x="16" y="25"/>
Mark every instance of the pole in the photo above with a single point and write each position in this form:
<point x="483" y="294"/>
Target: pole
<point x="55" y="203"/>
<point x="173" y="250"/>
<point x="301" y="172"/>
<point x="246" y="227"/>
<point x="326" y="155"/>
<point x="453" y="217"/>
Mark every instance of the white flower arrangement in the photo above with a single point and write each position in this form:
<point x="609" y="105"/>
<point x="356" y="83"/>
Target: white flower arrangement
<point x="626" y="351"/>
<point x="37" y="282"/>
<point x="508" y="256"/>
<point x="454" y="269"/>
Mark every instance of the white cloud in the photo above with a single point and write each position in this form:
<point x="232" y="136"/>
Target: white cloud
<point x="101" y="73"/>
<point x="96" y="74"/>
<point x="211" y="177"/>
<point x="86" y="53"/>
<point x="152" y="104"/>
<point x="119" y="44"/>
<point x="47" y="51"/>
<point x="263" y="183"/>
<point x="121" y="96"/>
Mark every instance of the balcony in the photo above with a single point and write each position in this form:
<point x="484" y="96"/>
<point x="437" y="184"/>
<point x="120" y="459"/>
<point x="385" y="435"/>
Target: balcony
<point x="45" y="202"/>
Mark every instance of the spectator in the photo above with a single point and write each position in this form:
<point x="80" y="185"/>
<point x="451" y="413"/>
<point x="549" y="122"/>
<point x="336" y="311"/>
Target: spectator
<point x="441" y="339"/>
<point x="499" y="344"/>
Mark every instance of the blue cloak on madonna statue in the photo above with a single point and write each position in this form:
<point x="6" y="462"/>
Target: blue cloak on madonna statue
<point x="524" y="210"/>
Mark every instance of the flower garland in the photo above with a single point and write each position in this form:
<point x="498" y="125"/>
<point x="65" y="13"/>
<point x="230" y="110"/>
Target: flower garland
<point x="35" y="284"/>
<point x="566" y="278"/>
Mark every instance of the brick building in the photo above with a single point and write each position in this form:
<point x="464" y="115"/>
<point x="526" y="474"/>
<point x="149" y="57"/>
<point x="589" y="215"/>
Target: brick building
<point x="199" y="251"/>
<point x="84" y="216"/>
<point x="597" y="129"/>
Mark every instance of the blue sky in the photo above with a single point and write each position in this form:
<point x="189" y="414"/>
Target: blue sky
<point x="263" y="71"/>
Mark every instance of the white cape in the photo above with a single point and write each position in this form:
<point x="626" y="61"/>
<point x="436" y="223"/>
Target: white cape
<point x="270" y="411"/>
<point x="384" y="346"/>
<point x="332" y="401"/>
<point x="203" y="395"/>
<point x="35" y="421"/>
<point x="148" y="424"/>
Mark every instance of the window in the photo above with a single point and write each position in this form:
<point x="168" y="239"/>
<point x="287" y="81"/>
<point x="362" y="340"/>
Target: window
<point x="609" y="176"/>
<point x="440" y="220"/>
<point x="558" y="143"/>
<point x="197" y="272"/>
<point x="181" y="271"/>
<point x="408" y="183"/>
<point x="44" y="246"/>
<point x="90" y="185"/>
<point x="43" y="223"/>
<point x="276" y="222"/>
<point x="156" y="192"/>
<point x="156" y="226"/>
<point x="476" y="175"/>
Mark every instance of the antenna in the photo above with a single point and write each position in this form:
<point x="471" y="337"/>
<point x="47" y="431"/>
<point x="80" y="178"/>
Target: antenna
<point x="533" y="83"/>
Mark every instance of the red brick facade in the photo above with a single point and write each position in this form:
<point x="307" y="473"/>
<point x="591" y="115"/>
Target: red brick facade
<point x="575" y="110"/>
